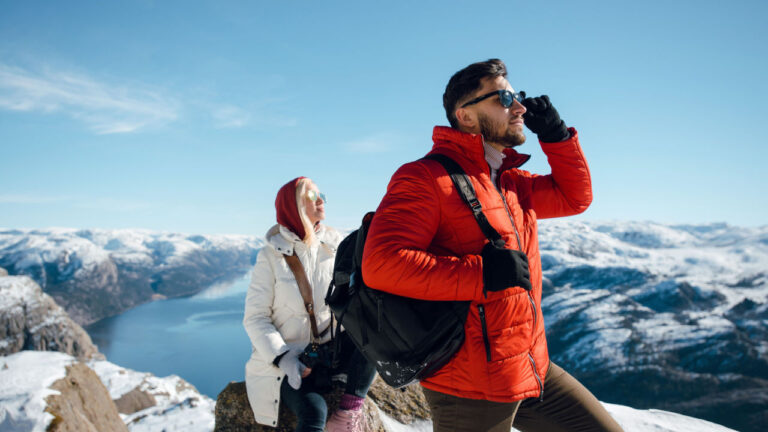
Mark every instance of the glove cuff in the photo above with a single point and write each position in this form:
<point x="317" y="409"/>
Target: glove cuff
<point x="555" y="134"/>
<point x="277" y="359"/>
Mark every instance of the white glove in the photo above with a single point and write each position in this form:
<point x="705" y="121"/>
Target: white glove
<point x="293" y="369"/>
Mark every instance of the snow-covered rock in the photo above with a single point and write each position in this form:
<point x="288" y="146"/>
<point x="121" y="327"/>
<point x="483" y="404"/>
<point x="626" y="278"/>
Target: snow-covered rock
<point x="179" y="406"/>
<point x="31" y="320"/>
<point x="98" y="273"/>
<point x="33" y="391"/>
<point x="52" y="392"/>
<point x="26" y="378"/>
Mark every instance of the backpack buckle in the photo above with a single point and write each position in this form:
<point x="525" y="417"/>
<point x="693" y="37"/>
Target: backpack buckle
<point x="475" y="205"/>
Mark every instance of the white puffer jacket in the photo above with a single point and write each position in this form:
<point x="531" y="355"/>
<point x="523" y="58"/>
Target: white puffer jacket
<point x="275" y="317"/>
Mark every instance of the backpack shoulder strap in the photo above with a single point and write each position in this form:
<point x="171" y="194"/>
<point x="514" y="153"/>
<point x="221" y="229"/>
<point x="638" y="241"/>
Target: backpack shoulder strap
<point x="362" y="233"/>
<point x="306" y="290"/>
<point x="467" y="193"/>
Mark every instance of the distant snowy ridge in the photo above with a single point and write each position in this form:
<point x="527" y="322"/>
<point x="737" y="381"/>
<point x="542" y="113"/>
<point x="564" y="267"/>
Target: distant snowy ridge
<point x="98" y="273"/>
<point x="665" y="316"/>
<point x="718" y="257"/>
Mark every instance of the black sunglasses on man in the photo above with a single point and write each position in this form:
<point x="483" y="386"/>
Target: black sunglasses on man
<point x="506" y="98"/>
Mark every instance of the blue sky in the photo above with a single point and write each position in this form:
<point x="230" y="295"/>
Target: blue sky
<point x="188" y="116"/>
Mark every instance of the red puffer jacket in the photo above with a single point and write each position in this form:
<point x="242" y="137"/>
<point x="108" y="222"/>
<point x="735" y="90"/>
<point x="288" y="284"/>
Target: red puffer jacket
<point x="425" y="243"/>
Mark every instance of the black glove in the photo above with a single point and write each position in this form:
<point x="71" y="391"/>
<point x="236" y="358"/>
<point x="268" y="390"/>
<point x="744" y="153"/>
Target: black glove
<point x="543" y="120"/>
<point x="504" y="268"/>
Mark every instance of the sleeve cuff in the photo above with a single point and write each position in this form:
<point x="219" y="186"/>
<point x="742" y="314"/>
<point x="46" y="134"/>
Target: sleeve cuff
<point x="279" y="357"/>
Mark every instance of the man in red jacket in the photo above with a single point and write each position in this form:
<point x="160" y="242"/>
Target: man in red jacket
<point x="425" y="243"/>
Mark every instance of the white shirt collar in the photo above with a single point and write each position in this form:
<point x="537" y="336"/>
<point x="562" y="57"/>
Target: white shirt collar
<point x="494" y="157"/>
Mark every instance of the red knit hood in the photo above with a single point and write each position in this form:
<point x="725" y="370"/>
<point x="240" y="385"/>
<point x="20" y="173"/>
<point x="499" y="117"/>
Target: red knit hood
<point x="287" y="211"/>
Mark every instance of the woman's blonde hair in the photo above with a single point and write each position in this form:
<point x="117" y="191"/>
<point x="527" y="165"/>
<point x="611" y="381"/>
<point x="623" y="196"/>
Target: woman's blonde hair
<point x="302" y="186"/>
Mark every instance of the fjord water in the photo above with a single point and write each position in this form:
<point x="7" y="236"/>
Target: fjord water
<point x="199" y="338"/>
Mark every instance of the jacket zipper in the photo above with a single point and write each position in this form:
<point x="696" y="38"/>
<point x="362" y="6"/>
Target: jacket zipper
<point x="481" y="312"/>
<point x="530" y="297"/>
<point x="533" y="309"/>
<point x="511" y="219"/>
<point x="520" y="248"/>
<point x="538" y="378"/>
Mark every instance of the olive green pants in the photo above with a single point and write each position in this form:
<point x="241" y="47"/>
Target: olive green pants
<point x="567" y="407"/>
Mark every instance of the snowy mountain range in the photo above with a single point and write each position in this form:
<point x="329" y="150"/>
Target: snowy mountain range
<point x="646" y="315"/>
<point x="95" y="273"/>
<point x="670" y="317"/>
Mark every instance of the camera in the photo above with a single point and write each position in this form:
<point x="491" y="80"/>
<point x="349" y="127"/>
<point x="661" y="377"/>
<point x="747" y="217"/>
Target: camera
<point x="317" y="355"/>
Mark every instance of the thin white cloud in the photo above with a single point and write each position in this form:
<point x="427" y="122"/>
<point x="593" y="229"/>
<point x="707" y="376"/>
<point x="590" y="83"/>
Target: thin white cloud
<point x="378" y="143"/>
<point x="229" y="116"/>
<point x="105" y="108"/>
<point x="260" y="114"/>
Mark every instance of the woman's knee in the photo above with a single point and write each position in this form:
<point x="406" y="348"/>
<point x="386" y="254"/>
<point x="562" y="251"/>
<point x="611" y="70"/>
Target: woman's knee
<point x="312" y="412"/>
<point x="309" y="408"/>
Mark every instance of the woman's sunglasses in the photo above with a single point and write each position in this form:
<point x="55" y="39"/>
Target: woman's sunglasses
<point x="506" y="98"/>
<point x="313" y="196"/>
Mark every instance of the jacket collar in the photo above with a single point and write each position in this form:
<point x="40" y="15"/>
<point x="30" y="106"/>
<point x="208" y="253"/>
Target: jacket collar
<point x="471" y="146"/>
<point x="285" y="240"/>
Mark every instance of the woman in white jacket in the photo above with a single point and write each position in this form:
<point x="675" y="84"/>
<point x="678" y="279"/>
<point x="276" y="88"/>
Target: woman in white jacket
<point x="278" y="323"/>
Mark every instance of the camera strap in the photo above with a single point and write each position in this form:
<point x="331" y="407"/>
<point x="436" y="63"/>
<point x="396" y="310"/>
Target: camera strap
<point x="306" y="291"/>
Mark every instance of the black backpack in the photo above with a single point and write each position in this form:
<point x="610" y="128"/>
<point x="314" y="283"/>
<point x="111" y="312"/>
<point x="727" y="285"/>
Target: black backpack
<point x="406" y="339"/>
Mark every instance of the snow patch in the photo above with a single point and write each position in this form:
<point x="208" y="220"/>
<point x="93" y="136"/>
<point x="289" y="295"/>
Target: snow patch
<point x="630" y="419"/>
<point x="633" y="420"/>
<point x="26" y="377"/>
<point x="180" y="407"/>
<point x="17" y="291"/>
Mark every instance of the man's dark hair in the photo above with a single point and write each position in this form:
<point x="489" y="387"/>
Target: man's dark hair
<point x="464" y="82"/>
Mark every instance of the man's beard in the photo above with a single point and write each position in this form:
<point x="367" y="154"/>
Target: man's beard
<point x="507" y="138"/>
